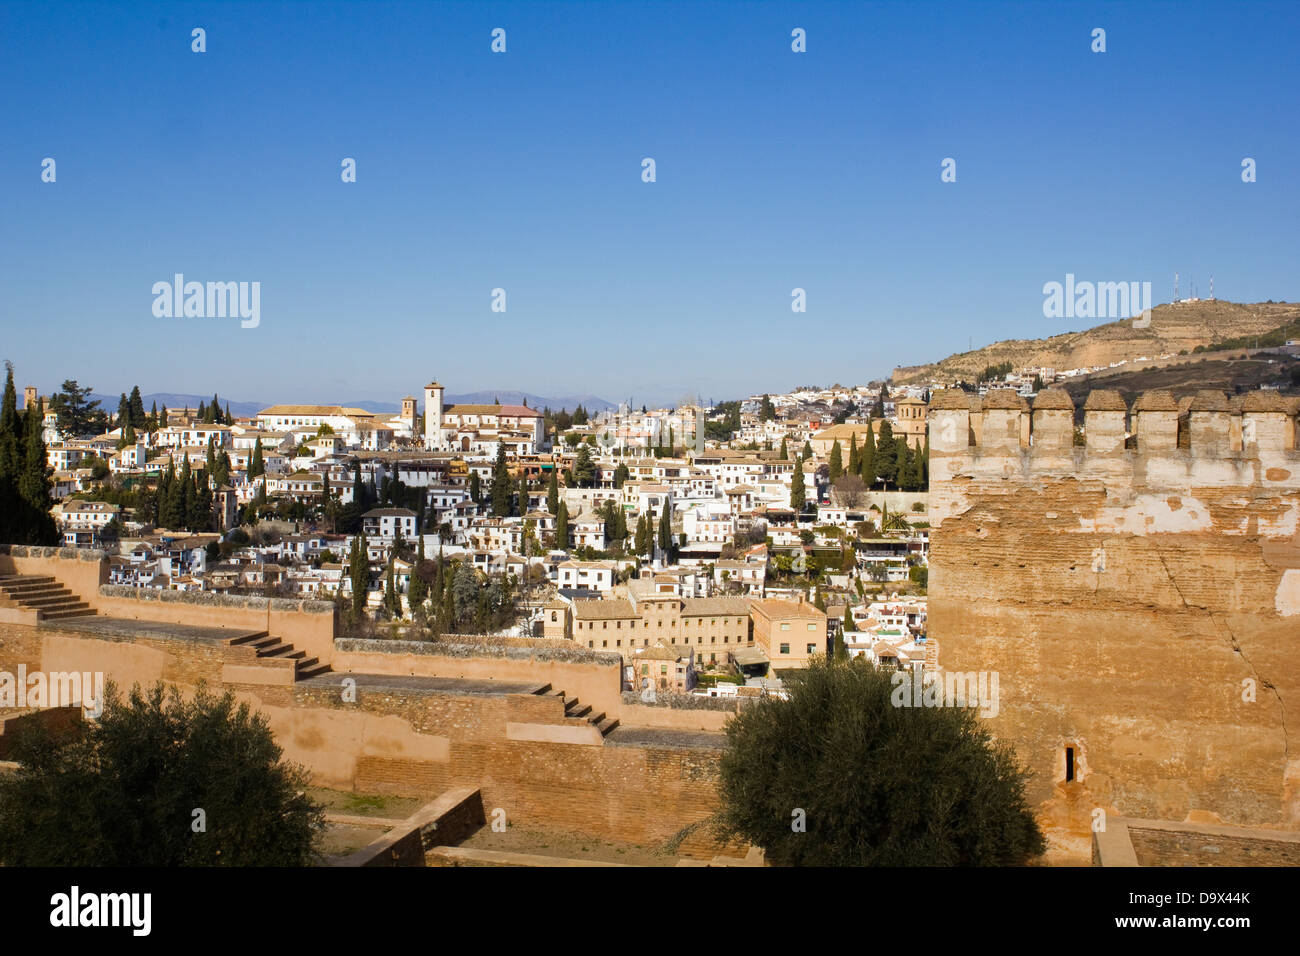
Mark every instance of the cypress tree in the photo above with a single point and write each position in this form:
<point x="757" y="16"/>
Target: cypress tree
<point x="785" y="452"/>
<point x="666" y="531"/>
<point x="837" y="461"/>
<point x="798" y="494"/>
<point x="359" y="574"/>
<point x="523" y="493"/>
<point x="34" y="486"/>
<point x="501" y="484"/>
<point x="160" y="498"/>
<point x="163" y="417"/>
<point x="552" y="492"/>
<point x="10" y="452"/>
<point x="868" y="470"/>
<point x="562" y="527"/>
<point x="640" y="541"/>
<point x="886" y="455"/>
<point x="855" y="459"/>
<point x="416" y="591"/>
<point x="170" y="500"/>
<point x="138" y="417"/>
<point x="391" y="605"/>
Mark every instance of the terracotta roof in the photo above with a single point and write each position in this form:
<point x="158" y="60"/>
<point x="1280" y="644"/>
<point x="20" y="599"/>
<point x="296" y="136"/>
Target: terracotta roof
<point x="773" y="608"/>
<point x="715" y="606"/>
<point x="613" y="609"/>
<point x="513" y="411"/>
<point x="283" y="410"/>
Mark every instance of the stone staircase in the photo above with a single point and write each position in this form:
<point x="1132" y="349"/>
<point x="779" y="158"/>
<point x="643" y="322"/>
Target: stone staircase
<point x="576" y="709"/>
<point x="259" y="645"/>
<point x="43" y="594"/>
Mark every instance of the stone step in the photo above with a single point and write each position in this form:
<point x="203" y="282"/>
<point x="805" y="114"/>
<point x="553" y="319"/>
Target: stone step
<point x="606" y="725"/>
<point x="35" y="590"/>
<point x="596" y="718"/>
<point x="313" y="670"/>
<point x="46" y="600"/>
<point x="245" y="638"/>
<point x="20" y="580"/>
<point x="78" y="612"/>
<point x="577" y="710"/>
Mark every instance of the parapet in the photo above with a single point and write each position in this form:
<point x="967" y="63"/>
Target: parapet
<point x="1207" y="425"/>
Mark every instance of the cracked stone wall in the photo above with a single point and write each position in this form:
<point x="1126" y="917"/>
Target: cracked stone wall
<point x="1138" y="595"/>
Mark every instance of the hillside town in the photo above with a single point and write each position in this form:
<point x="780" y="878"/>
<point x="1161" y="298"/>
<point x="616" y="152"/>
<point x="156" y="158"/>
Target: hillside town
<point x="712" y="547"/>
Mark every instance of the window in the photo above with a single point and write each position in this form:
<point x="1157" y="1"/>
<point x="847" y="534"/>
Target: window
<point x="812" y="648"/>
<point x="663" y="668"/>
<point x="785" y="648"/>
<point x="785" y="627"/>
<point x="812" y="627"/>
<point x="1069" y="764"/>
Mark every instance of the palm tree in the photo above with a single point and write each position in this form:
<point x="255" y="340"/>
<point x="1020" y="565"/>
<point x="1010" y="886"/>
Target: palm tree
<point x="893" y="522"/>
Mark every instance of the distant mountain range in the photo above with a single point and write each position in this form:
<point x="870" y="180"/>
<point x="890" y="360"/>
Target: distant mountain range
<point x="172" y="400"/>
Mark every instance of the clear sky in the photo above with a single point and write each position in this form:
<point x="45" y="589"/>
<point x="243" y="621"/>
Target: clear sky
<point x="522" y="170"/>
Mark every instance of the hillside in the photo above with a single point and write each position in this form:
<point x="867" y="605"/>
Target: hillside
<point x="1230" y="372"/>
<point x="1173" y="328"/>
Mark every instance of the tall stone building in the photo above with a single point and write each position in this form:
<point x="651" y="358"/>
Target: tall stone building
<point x="1138" y="594"/>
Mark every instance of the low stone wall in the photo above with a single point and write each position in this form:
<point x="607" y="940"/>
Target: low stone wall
<point x="444" y="822"/>
<point x="1130" y="842"/>
<point x="307" y="625"/>
<point x="593" y="677"/>
<point x="678" y="711"/>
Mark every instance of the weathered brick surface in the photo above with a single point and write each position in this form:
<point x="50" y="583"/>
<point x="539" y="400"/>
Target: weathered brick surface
<point x="1175" y="848"/>
<point x="1141" y="606"/>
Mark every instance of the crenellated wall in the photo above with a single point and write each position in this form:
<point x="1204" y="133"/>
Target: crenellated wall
<point x="1139" y="595"/>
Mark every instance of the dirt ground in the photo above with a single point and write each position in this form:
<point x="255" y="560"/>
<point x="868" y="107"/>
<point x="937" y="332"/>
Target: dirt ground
<point x="549" y="843"/>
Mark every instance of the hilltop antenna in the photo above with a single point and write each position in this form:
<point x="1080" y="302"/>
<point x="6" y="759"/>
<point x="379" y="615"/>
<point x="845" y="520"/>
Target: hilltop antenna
<point x="1175" y="287"/>
<point x="1211" y="287"/>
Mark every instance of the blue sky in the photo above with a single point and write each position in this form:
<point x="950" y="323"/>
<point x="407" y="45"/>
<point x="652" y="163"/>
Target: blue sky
<point x="522" y="171"/>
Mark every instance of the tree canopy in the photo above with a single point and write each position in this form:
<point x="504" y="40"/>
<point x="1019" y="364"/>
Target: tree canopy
<point x="127" y="789"/>
<point x="837" y="775"/>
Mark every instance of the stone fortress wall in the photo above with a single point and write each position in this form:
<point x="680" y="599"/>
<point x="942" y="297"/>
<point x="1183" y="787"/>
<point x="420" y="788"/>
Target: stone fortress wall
<point x="1138" y="594"/>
